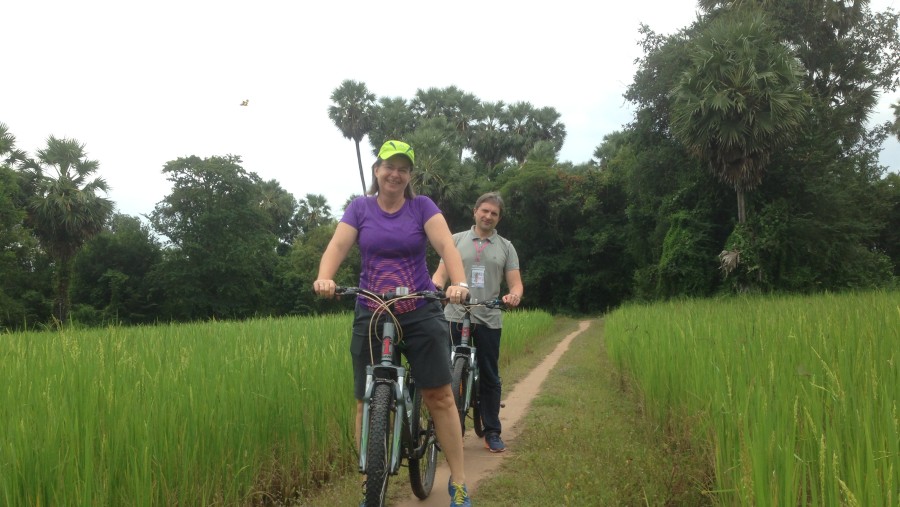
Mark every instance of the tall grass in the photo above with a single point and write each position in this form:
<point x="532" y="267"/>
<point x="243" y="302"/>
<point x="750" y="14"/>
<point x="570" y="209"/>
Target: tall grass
<point x="521" y="331"/>
<point x="796" y="398"/>
<point x="183" y="414"/>
<point x="227" y="413"/>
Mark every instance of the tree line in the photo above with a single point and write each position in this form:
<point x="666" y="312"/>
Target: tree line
<point x="749" y="166"/>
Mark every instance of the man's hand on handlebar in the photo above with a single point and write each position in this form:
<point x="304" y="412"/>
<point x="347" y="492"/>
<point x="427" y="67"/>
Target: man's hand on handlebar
<point x="512" y="300"/>
<point x="456" y="294"/>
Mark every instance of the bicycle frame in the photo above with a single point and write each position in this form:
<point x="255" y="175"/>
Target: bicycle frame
<point x="466" y="349"/>
<point x="396" y="424"/>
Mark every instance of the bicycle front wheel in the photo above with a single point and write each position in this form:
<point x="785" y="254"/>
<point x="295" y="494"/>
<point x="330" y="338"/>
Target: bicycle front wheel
<point x="423" y="454"/>
<point x="477" y="425"/>
<point x="459" y="384"/>
<point x="378" y="448"/>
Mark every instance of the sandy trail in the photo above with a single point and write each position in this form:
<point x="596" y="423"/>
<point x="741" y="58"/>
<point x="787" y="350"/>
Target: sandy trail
<point x="479" y="462"/>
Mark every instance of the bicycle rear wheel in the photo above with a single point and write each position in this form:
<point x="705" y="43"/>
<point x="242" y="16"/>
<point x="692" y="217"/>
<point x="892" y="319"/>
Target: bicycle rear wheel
<point x="459" y="384"/>
<point x="422" y="459"/>
<point x="378" y="448"/>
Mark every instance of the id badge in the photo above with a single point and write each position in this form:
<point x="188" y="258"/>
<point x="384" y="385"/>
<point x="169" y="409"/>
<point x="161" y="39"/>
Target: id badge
<point x="477" y="279"/>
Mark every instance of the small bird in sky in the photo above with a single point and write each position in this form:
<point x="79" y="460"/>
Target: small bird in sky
<point x="245" y="102"/>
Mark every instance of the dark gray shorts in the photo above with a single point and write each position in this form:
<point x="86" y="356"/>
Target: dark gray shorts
<point x="426" y="345"/>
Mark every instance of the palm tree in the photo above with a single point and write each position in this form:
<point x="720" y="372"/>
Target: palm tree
<point x="458" y="107"/>
<point x="66" y="211"/>
<point x="8" y="152"/>
<point x="352" y="115"/>
<point x="392" y="118"/>
<point x="545" y="126"/>
<point x="438" y="174"/>
<point x="428" y="103"/>
<point x="312" y="212"/>
<point x="517" y="122"/>
<point x="489" y="140"/>
<point x="7" y="141"/>
<point x="468" y="107"/>
<point x="740" y="100"/>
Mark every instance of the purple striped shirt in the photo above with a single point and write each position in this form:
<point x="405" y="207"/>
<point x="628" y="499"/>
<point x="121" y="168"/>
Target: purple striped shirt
<point x="392" y="246"/>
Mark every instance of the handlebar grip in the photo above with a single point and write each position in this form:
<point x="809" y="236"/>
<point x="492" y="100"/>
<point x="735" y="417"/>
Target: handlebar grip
<point x="495" y="304"/>
<point x="443" y="295"/>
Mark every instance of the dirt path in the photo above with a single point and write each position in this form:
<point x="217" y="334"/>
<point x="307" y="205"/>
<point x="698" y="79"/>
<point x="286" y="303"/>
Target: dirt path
<point x="480" y="462"/>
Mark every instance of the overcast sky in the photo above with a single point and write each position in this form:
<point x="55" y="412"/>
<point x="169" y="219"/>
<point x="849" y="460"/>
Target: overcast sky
<point x="140" y="84"/>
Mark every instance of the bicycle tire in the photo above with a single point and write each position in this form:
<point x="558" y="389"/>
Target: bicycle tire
<point x="422" y="461"/>
<point x="378" y="449"/>
<point x="477" y="424"/>
<point x="459" y="384"/>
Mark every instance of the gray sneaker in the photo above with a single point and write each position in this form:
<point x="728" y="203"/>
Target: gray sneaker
<point x="493" y="443"/>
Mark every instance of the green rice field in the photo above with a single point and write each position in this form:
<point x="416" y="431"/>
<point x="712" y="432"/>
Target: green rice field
<point x="793" y="399"/>
<point x="218" y="413"/>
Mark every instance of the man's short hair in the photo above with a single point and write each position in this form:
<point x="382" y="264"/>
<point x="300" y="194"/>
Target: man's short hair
<point x="493" y="197"/>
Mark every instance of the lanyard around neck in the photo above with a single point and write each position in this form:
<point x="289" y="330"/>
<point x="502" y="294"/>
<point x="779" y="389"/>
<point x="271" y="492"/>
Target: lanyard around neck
<point x="480" y="245"/>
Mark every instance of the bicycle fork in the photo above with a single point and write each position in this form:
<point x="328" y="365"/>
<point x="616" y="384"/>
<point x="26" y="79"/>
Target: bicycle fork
<point x="387" y="371"/>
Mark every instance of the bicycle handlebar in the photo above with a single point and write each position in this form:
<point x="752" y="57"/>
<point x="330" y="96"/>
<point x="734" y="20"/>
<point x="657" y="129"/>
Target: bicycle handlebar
<point x="431" y="295"/>
<point x="495" y="304"/>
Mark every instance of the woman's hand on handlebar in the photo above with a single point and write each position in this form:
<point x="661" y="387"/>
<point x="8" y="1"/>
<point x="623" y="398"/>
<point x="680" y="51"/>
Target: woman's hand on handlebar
<point x="324" y="288"/>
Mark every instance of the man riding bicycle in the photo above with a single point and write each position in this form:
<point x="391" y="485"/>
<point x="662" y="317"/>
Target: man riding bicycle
<point x="488" y="258"/>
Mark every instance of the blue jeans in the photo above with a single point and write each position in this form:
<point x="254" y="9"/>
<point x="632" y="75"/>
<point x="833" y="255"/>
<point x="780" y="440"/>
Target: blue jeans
<point x="487" y="344"/>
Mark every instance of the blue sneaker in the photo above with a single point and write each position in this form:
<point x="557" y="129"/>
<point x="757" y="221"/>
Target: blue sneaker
<point x="493" y="443"/>
<point x="459" y="495"/>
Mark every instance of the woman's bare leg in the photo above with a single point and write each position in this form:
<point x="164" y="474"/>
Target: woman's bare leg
<point x="442" y="406"/>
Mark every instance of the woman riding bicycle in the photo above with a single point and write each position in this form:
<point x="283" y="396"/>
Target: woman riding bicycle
<point x="392" y="227"/>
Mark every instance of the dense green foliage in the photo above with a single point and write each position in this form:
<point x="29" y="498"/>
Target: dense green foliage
<point x="647" y="218"/>
<point x="224" y="242"/>
<point x="112" y="276"/>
